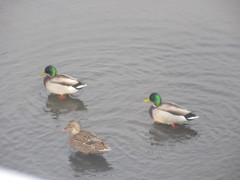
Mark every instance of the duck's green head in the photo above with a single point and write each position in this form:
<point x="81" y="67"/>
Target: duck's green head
<point x="50" y="70"/>
<point x="155" y="98"/>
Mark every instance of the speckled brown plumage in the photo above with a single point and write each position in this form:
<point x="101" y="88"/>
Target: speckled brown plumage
<point x="84" y="140"/>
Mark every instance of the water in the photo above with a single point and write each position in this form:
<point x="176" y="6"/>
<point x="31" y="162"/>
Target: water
<point x="186" y="51"/>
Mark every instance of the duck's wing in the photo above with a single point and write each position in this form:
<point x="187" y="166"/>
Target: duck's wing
<point x="173" y="108"/>
<point x="84" y="136"/>
<point x="64" y="80"/>
<point x="91" y="141"/>
<point x="91" y="138"/>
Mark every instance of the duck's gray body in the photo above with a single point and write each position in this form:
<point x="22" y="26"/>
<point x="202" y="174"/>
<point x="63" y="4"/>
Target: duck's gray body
<point x="62" y="84"/>
<point x="170" y="113"/>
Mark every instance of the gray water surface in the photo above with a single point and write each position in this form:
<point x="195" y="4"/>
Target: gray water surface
<point x="188" y="51"/>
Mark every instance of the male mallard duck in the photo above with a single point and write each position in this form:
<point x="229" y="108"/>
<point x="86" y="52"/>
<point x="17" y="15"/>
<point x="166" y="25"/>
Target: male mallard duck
<point x="168" y="113"/>
<point x="84" y="140"/>
<point x="59" y="83"/>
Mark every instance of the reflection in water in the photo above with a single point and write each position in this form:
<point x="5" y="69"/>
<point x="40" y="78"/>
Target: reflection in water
<point x="88" y="163"/>
<point x="162" y="133"/>
<point x="63" y="106"/>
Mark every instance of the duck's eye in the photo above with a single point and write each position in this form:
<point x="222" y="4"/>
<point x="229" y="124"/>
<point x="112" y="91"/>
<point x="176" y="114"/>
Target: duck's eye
<point x="47" y="69"/>
<point x="151" y="97"/>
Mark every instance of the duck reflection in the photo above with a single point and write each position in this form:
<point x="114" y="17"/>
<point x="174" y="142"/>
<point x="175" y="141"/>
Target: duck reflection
<point x="162" y="133"/>
<point x="63" y="106"/>
<point x="85" y="163"/>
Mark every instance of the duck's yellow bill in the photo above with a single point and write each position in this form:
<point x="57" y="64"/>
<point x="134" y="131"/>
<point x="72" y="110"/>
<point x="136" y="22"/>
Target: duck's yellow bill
<point x="43" y="74"/>
<point x="146" y="100"/>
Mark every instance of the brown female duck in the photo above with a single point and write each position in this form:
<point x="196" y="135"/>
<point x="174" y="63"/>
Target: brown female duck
<point x="84" y="140"/>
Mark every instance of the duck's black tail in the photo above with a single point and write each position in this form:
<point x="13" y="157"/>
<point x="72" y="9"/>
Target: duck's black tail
<point x="191" y="116"/>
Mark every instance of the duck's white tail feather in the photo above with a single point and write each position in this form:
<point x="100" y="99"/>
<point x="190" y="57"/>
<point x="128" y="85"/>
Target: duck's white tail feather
<point x="191" y="116"/>
<point x="81" y="86"/>
<point x="195" y="117"/>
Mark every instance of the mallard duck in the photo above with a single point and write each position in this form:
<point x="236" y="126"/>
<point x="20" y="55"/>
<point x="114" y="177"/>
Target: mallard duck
<point x="85" y="141"/>
<point x="59" y="83"/>
<point x="168" y="113"/>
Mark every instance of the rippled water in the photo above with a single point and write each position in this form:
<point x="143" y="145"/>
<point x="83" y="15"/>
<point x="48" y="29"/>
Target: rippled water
<point x="187" y="51"/>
